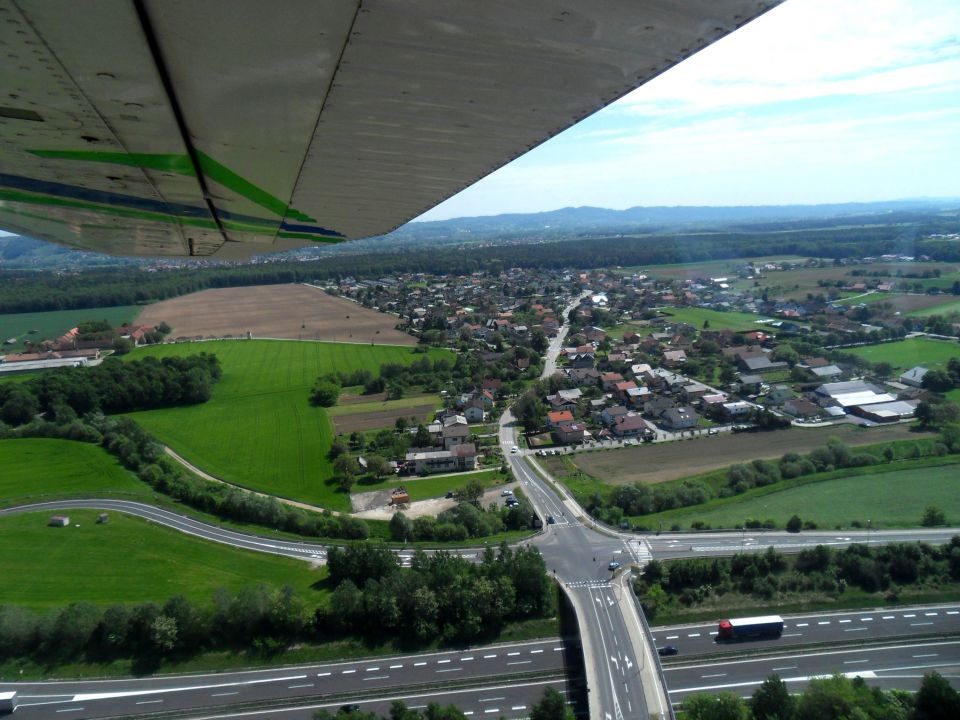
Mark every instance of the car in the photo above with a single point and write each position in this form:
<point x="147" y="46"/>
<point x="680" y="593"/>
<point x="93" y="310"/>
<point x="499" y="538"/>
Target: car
<point x="668" y="650"/>
<point x="511" y="502"/>
<point x="713" y="431"/>
<point x="551" y="520"/>
<point x="449" y="494"/>
<point x="505" y="493"/>
<point x="613" y="566"/>
<point x="514" y="449"/>
<point x="349" y="708"/>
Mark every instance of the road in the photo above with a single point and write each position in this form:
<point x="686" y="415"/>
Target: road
<point x="501" y="678"/>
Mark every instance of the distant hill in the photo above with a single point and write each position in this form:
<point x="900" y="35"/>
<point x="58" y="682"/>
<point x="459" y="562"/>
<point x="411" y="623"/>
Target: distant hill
<point x="554" y="225"/>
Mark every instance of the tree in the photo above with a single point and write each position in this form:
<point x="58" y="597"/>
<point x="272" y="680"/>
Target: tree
<point x="936" y="700"/>
<point x="725" y="706"/>
<point x="772" y="700"/>
<point x="552" y="706"/>
<point x="401" y="527"/>
<point x="163" y="633"/>
<point x="937" y="380"/>
<point x="400" y="424"/>
<point x="422" y="439"/>
<point x="19" y="407"/>
<point x="472" y="491"/>
<point x="378" y="466"/>
<point x="794" y="524"/>
<point x="883" y="369"/>
<point x="121" y="346"/>
<point x="325" y="393"/>
<point x="933" y="516"/>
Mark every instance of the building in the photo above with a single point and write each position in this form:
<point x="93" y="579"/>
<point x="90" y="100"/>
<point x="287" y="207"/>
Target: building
<point x="632" y="426"/>
<point x="59" y="521"/>
<point x="914" y="376"/>
<point x="680" y="418"/>
<point x="457" y="458"/>
<point x="570" y="433"/>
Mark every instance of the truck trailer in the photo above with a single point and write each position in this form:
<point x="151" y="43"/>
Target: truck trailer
<point x="750" y="627"/>
<point x="8" y="701"/>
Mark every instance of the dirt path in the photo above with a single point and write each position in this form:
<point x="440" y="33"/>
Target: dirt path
<point x="670" y="461"/>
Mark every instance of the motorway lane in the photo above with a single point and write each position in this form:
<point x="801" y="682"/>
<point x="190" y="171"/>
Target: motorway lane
<point x="898" y="664"/>
<point x="91" y="698"/>
<point x="841" y="627"/>
<point x="668" y="546"/>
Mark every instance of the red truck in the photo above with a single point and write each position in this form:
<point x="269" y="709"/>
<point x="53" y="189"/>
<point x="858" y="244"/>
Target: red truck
<point x="750" y="627"/>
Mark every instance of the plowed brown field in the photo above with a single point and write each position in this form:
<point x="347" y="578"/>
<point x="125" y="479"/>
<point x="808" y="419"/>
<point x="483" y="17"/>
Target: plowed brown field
<point x="298" y="312"/>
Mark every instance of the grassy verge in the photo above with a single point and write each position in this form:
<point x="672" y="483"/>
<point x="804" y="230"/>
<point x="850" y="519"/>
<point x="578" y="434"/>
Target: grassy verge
<point x="734" y="604"/>
<point x="130" y="560"/>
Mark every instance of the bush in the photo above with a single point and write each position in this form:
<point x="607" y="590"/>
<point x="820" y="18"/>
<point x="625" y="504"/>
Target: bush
<point x="794" y="524"/>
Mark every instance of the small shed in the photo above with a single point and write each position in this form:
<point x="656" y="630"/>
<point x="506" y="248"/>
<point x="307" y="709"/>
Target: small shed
<point x="59" y="521"/>
<point x="103" y="518"/>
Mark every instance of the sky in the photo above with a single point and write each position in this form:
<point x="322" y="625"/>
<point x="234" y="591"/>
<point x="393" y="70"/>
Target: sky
<point x="817" y="101"/>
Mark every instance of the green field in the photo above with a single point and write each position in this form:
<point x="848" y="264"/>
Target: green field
<point x="949" y="305"/>
<point x="129" y="560"/>
<point x="905" y="354"/>
<point x="34" y="467"/>
<point x="886" y="499"/>
<point x="259" y="430"/>
<point x="735" y="321"/>
<point x="51" y="325"/>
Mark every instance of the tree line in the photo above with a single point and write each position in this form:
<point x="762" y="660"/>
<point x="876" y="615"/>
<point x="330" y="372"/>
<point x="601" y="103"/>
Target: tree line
<point x="27" y="291"/>
<point x="442" y="595"/>
<point x="829" y="698"/>
<point x="551" y="706"/>
<point x="886" y="568"/>
<point x="64" y="394"/>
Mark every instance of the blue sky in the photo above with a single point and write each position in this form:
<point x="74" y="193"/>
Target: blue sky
<point x="817" y="101"/>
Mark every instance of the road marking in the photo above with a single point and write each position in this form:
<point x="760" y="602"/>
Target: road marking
<point x="149" y="702"/>
<point x="377" y="677"/>
<point x="470" y="657"/>
<point x="512" y="654"/>
<point x="866" y="619"/>
<point x="325" y="674"/>
<point x="291" y="687"/>
<point x="926" y="655"/>
<point x="909" y="615"/>
<point x="822" y="622"/>
<point x="920" y="623"/>
<point x="487" y="657"/>
<point x="520" y="662"/>
<point x="536" y="652"/>
<point x="348" y="672"/>
<point x="693" y="635"/>
<point x="419" y="664"/>
<point x="394" y="667"/>
<point x="854" y="662"/>
<point x="788" y="667"/>
<point x="845" y="621"/>
<point x="519" y="707"/>
<point x="492" y="699"/>
<point x="223" y="694"/>
<point x="953" y="612"/>
<point x="888" y="617"/>
<point x="444" y="662"/>
<point x="802" y="624"/>
<point x="468" y="712"/>
<point x="449" y="670"/>
<point x="558" y="649"/>
<point x="855" y="630"/>
<point x="672" y="637"/>
<point x="792" y="634"/>
<point x="716" y="675"/>
<point x="372" y="669"/>
<point x="77" y="709"/>
<point x="931" y="614"/>
<point x="491" y="710"/>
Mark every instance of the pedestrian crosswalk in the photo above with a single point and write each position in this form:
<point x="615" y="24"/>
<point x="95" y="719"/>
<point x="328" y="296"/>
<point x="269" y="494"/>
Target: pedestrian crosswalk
<point x="592" y="583"/>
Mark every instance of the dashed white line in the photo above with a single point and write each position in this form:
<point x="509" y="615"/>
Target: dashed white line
<point x="918" y="624"/>
<point x="866" y="619"/>
<point x="491" y="710"/>
<point x="672" y="637"/>
<point x="519" y="707"/>
<point x="149" y="702"/>
<point x="845" y="621"/>
<point x="788" y="667"/>
<point x="77" y="709"/>
<point x="323" y="674"/>
<point x="466" y="659"/>
<point x="716" y="675"/>
<point x="442" y="662"/>
<point x="372" y="669"/>
<point x="224" y="694"/>
<point x="693" y="635"/>
<point x="535" y="652"/>
<point x="520" y="662"/>
<point x="377" y="677"/>
<point x="909" y="615"/>
<point x="931" y="614"/>
<point x="822" y="622"/>
<point x="487" y="657"/>
<point x="926" y="655"/>
<point x="802" y="624"/>
<point x="394" y="667"/>
<point x="292" y="687"/>
<point x="511" y="654"/>
<point x="861" y="629"/>
<point x="887" y="617"/>
<point x="854" y="662"/>
<point x="492" y="699"/>
<point x="419" y="664"/>
<point x="348" y="672"/>
<point x="953" y="612"/>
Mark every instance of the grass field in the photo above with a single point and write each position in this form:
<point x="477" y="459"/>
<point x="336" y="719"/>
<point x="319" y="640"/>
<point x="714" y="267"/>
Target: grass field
<point x="34" y="467"/>
<point x="130" y="560"/>
<point x="905" y="354"/>
<point x="51" y="325"/>
<point x="259" y="430"/>
<point x="735" y="321"/>
<point x="949" y="305"/>
<point x="887" y="499"/>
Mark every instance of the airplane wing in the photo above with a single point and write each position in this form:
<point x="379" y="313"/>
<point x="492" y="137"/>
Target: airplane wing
<point x="224" y="128"/>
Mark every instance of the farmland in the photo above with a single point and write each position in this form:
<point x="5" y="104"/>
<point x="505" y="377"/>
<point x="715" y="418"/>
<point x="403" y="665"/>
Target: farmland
<point x="661" y="462"/>
<point x="258" y="430"/>
<point x="34" y="467"/>
<point x="130" y="560"/>
<point x="905" y="354"/>
<point x="51" y="325"/>
<point x="944" y="306"/>
<point x="361" y="413"/>
<point x="875" y="497"/>
<point x="297" y="312"/>
<point x="736" y="321"/>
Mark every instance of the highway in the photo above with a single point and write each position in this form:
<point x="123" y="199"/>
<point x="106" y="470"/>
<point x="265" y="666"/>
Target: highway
<point x="518" y="670"/>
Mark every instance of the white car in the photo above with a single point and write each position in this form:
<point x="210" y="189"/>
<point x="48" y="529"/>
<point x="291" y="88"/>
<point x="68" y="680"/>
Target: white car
<point x="514" y="449"/>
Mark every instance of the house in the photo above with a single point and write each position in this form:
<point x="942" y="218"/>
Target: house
<point x="570" y="433"/>
<point x="680" y="418"/>
<point x="778" y="395"/>
<point x="657" y="406"/>
<point x="914" y="376"/>
<point x="583" y="375"/>
<point x="798" y="407"/>
<point x="671" y="358"/>
<point x="573" y="394"/>
<point x="750" y="384"/>
<point x="610" y="415"/>
<point x="637" y="396"/>
<point x="693" y="391"/>
<point x="457" y="458"/>
<point x="620" y="389"/>
<point x="826" y="372"/>
<point x="556" y="417"/>
<point x="632" y="426"/>
<point x="455" y="431"/>
<point x="759" y="363"/>
<point x="473" y="411"/>
<point x="737" y="409"/>
<point x="493" y="385"/>
<point x="609" y="379"/>
<point x="594" y="334"/>
<point x="559" y="403"/>
<point x="631" y="338"/>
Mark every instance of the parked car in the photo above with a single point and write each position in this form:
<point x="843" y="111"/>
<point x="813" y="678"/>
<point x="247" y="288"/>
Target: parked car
<point x="668" y="650"/>
<point x="505" y="493"/>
